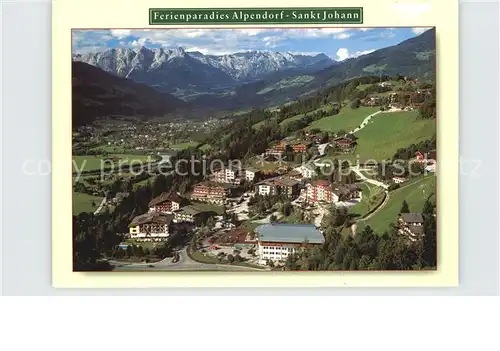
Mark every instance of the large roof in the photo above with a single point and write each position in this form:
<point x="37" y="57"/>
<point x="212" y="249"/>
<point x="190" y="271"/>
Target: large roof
<point x="163" y="197"/>
<point x="412" y="217"/>
<point x="155" y="217"/>
<point x="289" y="233"/>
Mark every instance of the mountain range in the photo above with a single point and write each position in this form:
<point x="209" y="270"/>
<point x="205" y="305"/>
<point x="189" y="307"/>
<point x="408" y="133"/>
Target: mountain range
<point x="179" y="72"/>
<point x="257" y="78"/>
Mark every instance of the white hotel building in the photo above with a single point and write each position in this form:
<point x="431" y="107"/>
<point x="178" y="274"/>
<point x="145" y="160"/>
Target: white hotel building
<point x="276" y="241"/>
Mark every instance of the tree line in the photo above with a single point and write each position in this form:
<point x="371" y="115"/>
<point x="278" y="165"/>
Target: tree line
<point x="369" y="251"/>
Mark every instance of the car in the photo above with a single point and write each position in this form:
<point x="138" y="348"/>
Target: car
<point x="151" y="266"/>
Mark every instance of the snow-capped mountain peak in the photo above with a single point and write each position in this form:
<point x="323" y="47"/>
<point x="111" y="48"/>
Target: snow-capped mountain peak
<point x="241" y="66"/>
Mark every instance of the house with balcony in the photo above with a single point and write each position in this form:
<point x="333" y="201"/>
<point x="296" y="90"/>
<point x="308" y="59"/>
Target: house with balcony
<point x="411" y="225"/>
<point x="153" y="226"/>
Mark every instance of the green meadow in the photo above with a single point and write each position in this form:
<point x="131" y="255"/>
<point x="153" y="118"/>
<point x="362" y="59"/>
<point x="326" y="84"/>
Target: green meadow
<point x="415" y="194"/>
<point x="347" y="119"/>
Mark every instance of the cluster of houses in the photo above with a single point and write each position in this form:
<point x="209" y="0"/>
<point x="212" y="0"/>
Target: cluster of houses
<point x="295" y="147"/>
<point x="234" y="175"/>
<point x="164" y="210"/>
<point x="299" y="183"/>
<point x="325" y="191"/>
<point x="282" y="185"/>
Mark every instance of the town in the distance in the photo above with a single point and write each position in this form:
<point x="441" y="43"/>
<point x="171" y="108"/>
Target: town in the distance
<point x="256" y="160"/>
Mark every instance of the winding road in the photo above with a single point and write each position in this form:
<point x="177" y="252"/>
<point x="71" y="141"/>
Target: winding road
<point x="100" y="206"/>
<point x="184" y="264"/>
<point x="357" y="170"/>
<point x="365" y="122"/>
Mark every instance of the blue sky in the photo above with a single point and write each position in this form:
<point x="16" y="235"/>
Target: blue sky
<point x="338" y="43"/>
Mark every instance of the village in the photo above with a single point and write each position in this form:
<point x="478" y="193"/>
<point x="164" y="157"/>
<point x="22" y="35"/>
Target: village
<point x="233" y="222"/>
<point x="142" y="137"/>
<point x="260" y="210"/>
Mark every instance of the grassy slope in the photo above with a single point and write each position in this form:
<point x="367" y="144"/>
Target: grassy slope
<point x="389" y="132"/>
<point x="182" y="146"/>
<point x="347" y="119"/>
<point x="287" y="83"/>
<point x="372" y="196"/>
<point x="83" y="202"/>
<point x="414" y="193"/>
<point x="94" y="162"/>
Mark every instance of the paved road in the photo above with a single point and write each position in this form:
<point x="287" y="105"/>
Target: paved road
<point x="358" y="170"/>
<point x="365" y="122"/>
<point x="184" y="264"/>
<point x="100" y="206"/>
<point x="321" y="148"/>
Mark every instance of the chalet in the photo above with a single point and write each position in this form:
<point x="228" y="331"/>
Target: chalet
<point x="393" y="97"/>
<point x="251" y="174"/>
<point x="119" y="197"/>
<point x="151" y="227"/>
<point x="275" y="151"/>
<point x="224" y="175"/>
<point x="299" y="148"/>
<point x="278" y="186"/>
<point x="287" y="186"/>
<point x="398" y="180"/>
<point x="344" y="142"/>
<point x="211" y="192"/>
<point x="320" y="190"/>
<point x="323" y="190"/>
<point x="191" y="214"/>
<point x="373" y="101"/>
<point x="315" y="138"/>
<point x="166" y="202"/>
<point x="346" y="192"/>
<point x="186" y="214"/>
<point x="411" y="225"/>
<point x="307" y="170"/>
<point x="295" y="174"/>
<point x="427" y="158"/>
<point x="265" y="188"/>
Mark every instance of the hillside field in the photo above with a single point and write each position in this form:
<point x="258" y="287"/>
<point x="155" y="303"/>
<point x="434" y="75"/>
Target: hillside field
<point x="391" y="131"/>
<point x="388" y="132"/>
<point x="415" y="194"/>
<point x="183" y="146"/>
<point x="371" y="198"/>
<point x="347" y="119"/>
<point x="83" y="203"/>
<point x="93" y="162"/>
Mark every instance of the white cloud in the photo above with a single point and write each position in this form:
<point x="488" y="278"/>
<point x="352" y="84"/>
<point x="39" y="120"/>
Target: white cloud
<point x="138" y="43"/>
<point x="272" y="41"/>
<point x="332" y="30"/>
<point x="120" y="33"/>
<point x="317" y="33"/>
<point x="87" y="49"/>
<point x="420" y="30"/>
<point x="252" y="32"/>
<point x="343" y="36"/>
<point x="344" y="54"/>
<point x="361" y="53"/>
<point x="305" y="53"/>
<point x="204" y="51"/>
<point x="195" y="33"/>
<point x="365" y="29"/>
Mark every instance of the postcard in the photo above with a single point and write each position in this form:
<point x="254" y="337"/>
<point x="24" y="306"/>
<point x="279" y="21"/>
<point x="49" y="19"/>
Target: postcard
<point x="244" y="145"/>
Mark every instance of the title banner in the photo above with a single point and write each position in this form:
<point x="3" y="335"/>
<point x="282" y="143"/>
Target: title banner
<point x="315" y="15"/>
